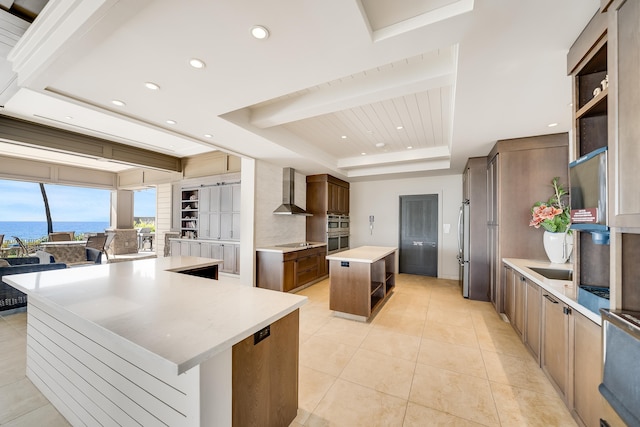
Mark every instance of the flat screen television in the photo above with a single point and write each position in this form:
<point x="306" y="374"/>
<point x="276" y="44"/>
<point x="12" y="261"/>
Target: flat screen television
<point x="588" y="191"/>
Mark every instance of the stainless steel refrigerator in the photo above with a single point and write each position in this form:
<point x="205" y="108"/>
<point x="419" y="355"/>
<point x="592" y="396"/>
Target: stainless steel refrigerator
<point x="463" y="247"/>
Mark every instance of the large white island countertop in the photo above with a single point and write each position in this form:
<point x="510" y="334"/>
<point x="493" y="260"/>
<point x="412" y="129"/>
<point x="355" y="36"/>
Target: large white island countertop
<point x="365" y="254"/>
<point x="176" y="321"/>
<point x="140" y="343"/>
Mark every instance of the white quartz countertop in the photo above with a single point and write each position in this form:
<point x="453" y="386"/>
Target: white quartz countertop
<point x="366" y="254"/>
<point x="564" y="290"/>
<point x="176" y="320"/>
<point x="291" y="247"/>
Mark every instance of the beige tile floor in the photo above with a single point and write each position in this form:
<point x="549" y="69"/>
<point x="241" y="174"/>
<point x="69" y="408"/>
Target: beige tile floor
<point x="428" y="358"/>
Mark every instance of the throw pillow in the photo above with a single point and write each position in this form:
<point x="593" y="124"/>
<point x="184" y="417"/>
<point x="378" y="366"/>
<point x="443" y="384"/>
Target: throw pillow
<point x="4" y="263"/>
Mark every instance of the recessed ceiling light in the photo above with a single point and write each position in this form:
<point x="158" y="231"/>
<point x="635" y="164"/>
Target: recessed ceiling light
<point x="171" y="122"/>
<point x="259" y="32"/>
<point x="118" y="103"/>
<point x="344" y="137"/>
<point x="208" y="135"/>
<point x="551" y="125"/>
<point x="409" y="147"/>
<point x="68" y="117"/>
<point x="380" y="144"/>
<point x="399" y="127"/>
<point x="151" y="86"/>
<point x="196" y="63"/>
<point x="363" y="154"/>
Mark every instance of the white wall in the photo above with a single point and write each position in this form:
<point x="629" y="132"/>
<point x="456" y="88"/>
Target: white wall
<point x="273" y="229"/>
<point x="382" y="199"/>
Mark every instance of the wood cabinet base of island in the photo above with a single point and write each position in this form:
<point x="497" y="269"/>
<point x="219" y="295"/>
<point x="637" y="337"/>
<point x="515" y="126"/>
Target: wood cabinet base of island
<point x="358" y="289"/>
<point x="93" y="379"/>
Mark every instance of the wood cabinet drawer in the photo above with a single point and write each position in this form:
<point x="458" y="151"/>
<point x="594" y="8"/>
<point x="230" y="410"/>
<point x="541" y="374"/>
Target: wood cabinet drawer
<point x="288" y="256"/>
<point x="307" y="262"/>
<point x="307" y="276"/>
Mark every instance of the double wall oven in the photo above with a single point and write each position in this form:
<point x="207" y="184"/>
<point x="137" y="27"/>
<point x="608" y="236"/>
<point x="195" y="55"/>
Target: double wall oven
<point x="337" y="233"/>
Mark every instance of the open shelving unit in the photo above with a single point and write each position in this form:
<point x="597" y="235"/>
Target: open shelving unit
<point x="189" y="213"/>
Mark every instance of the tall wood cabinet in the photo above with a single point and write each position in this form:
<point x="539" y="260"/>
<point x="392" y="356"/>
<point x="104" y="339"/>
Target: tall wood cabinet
<point x="326" y="195"/>
<point x="519" y="174"/>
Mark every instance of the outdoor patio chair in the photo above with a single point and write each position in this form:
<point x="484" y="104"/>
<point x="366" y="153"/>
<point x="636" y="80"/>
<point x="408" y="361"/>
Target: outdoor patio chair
<point x="25" y="250"/>
<point x="61" y="236"/>
<point x="97" y="242"/>
<point x="110" y="236"/>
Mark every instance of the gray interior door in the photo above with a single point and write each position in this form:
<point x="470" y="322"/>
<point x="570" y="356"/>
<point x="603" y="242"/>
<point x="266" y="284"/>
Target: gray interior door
<point x="419" y="235"/>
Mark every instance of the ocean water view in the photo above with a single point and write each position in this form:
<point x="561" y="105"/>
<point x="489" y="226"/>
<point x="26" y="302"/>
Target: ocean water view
<point x="32" y="230"/>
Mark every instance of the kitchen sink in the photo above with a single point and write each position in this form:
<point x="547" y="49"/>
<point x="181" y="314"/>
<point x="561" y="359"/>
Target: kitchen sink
<point x="553" y="273"/>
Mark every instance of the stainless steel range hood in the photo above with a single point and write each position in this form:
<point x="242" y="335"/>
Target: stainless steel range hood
<point x="288" y="206"/>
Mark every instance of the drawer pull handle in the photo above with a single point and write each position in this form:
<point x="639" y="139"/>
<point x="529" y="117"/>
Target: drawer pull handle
<point x="550" y="299"/>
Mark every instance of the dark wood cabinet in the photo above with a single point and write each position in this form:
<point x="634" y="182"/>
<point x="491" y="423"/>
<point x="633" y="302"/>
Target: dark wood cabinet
<point x="533" y="319"/>
<point x="265" y="375"/>
<point x="520" y="174"/>
<point x="290" y="270"/>
<point x="555" y="342"/>
<point x="587" y="365"/>
<point x="624" y="102"/>
<point x="326" y="195"/>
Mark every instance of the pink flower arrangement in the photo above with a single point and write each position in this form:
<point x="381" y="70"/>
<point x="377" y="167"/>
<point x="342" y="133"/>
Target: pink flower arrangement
<point x="552" y="215"/>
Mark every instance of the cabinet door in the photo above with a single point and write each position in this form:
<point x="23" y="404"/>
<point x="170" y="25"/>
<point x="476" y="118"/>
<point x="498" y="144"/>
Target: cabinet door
<point x="226" y="198"/>
<point x="265" y="376"/>
<point x="210" y="225"/>
<point x="175" y="248"/>
<point x="235" y="203"/>
<point x="509" y="294"/>
<point x="518" y="303"/>
<point x="624" y="130"/>
<point x="587" y="363"/>
<point x="229" y="258"/>
<point x="184" y="249"/>
<point x="226" y="224"/>
<point x="289" y="275"/>
<point x="533" y="319"/>
<point x="555" y="357"/>
<point x="194" y="248"/>
<point x="205" y="250"/>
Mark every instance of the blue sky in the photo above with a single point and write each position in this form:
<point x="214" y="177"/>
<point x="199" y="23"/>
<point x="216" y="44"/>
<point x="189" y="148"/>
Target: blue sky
<point x="22" y="201"/>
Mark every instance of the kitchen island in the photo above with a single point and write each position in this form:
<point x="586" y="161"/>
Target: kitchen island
<point x="141" y="343"/>
<point x="360" y="280"/>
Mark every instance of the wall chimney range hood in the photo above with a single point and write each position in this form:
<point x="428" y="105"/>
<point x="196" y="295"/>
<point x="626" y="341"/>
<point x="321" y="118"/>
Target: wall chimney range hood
<point x="288" y="206"/>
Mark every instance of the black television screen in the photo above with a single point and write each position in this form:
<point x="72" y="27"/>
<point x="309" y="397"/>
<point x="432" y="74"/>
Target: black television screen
<point x="588" y="194"/>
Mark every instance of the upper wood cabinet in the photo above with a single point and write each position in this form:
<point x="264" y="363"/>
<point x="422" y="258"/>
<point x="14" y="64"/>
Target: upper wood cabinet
<point x="327" y="195"/>
<point x="624" y="103"/>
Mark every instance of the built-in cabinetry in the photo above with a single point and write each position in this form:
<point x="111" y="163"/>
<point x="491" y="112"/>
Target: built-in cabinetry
<point x="208" y="218"/>
<point x="265" y="375"/>
<point x="474" y="191"/>
<point x="228" y="252"/>
<point x="289" y="270"/>
<point x="519" y="174"/>
<point x="624" y="102"/>
<point x="326" y="195"/>
<point x="565" y="343"/>
<point x="220" y="212"/>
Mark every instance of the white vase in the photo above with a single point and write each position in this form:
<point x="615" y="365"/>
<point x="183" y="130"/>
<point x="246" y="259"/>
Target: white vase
<point x="558" y="246"/>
